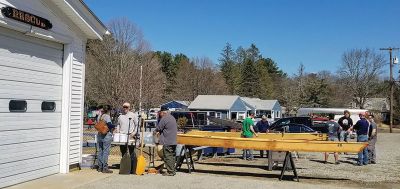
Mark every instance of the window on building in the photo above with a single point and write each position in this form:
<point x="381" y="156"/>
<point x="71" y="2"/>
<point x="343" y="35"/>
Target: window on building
<point x="48" y="106"/>
<point x="17" y="106"/>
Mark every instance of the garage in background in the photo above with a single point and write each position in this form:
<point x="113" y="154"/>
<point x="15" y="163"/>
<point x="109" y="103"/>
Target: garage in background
<point x="42" y="50"/>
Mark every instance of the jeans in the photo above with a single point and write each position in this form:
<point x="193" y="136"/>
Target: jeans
<point x="104" y="145"/>
<point x="363" y="155"/>
<point x="344" y="136"/>
<point x="247" y="153"/>
<point x="169" y="158"/>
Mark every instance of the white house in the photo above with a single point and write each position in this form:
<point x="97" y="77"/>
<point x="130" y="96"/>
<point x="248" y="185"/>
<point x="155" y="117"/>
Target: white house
<point x="270" y="108"/>
<point x="42" y="70"/>
<point x="220" y="106"/>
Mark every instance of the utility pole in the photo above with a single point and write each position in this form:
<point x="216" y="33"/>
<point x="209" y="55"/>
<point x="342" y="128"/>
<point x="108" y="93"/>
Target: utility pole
<point x="390" y="49"/>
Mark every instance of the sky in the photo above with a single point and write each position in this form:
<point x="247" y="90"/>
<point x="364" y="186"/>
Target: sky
<point x="315" y="33"/>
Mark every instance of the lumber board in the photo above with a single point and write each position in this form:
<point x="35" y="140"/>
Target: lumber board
<point x="267" y="144"/>
<point x="271" y="136"/>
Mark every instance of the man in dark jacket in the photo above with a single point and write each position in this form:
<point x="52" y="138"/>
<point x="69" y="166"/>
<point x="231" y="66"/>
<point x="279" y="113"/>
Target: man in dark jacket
<point x="262" y="126"/>
<point x="167" y="128"/>
<point x="362" y="127"/>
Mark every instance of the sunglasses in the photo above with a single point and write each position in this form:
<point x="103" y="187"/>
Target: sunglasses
<point x="125" y="106"/>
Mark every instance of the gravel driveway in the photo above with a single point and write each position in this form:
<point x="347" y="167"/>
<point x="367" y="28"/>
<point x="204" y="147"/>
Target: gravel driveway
<point x="231" y="172"/>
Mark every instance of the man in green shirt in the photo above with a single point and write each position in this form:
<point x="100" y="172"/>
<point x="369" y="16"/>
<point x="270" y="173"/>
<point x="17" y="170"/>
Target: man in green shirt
<point x="248" y="132"/>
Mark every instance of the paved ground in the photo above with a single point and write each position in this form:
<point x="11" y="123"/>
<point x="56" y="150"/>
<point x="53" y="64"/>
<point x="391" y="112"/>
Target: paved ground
<point x="233" y="173"/>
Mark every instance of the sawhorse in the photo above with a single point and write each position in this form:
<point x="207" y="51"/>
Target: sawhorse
<point x="289" y="162"/>
<point x="187" y="156"/>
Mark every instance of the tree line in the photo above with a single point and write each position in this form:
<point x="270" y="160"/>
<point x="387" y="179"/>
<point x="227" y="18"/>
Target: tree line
<point x="113" y="75"/>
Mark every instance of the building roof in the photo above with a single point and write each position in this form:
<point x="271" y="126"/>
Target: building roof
<point x="186" y="103"/>
<point x="258" y="104"/>
<point x="176" y="104"/>
<point x="83" y="17"/>
<point x="214" y="102"/>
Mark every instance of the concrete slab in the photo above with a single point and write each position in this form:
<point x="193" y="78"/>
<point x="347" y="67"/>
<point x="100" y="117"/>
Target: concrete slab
<point x="64" y="181"/>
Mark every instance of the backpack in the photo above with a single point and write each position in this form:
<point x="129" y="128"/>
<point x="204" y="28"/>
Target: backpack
<point x="101" y="126"/>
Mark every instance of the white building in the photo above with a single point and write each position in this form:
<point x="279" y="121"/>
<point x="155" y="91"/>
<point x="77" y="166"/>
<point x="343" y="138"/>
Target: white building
<point x="220" y="106"/>
<point x="42" y="70"/>
<point x="271" y="108"/>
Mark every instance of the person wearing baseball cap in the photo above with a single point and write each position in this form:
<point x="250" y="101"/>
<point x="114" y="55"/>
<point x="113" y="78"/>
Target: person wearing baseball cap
<point x="123" y="126"/>
<point x="167" y="129"/>
<point x="362" y="127"/>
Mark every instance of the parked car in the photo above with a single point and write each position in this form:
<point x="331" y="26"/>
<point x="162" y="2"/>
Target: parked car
<point x="299" y="120"/>
<point x="292" y="128"/>
<point x="319" y="126"/>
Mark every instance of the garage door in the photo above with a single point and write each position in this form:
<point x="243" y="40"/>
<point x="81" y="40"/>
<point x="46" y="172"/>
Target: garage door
<point x="30" y="107"/>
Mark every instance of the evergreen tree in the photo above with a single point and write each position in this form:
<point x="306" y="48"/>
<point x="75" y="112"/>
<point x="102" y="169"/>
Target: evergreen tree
<point x="227" y="66"/>
<point x="266" y="81"/>
<point x="250" y="84"/>
<point x="170" y="67"/>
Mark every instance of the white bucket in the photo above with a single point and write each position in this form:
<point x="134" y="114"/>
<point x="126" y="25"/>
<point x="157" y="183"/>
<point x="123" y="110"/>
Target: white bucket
<point x="120" y="137"/>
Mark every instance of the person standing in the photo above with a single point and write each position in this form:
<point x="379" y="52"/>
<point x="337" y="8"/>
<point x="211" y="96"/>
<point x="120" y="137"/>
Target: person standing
<point x="362" y="127"/>
<point x="333" y="132"/>
<point x="345" y="122"/>
<point x="248" y="132"/>
<point x="262" y="127"/>
<point x="167" y="128"/>
<point x="104" y="140"/>
<point x="123" y="126"/>
<point x="372" y="140"/>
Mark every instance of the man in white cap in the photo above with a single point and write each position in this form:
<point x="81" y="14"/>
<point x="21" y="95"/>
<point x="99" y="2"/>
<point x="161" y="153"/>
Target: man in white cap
<point x="167" y="128"/>
<point x="123" y="125"/>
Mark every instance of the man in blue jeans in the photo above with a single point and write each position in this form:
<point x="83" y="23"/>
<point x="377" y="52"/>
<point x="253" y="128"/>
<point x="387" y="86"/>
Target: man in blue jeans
<point x="104" y="140"/>
<point x="362" y="127"/>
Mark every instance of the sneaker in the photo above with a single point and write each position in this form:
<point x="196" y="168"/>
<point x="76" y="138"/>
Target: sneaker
<point x="359" y="164"/>
<point x="373" y="162"/>
<point x="337" y="163"/>
<point x="107" y="171"/>
<point x="99" y="170"/>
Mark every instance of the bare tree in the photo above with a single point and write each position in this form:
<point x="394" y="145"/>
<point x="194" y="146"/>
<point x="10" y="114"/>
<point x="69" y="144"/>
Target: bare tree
<point x="359" y="72"/>
<point x="113" y="66"/>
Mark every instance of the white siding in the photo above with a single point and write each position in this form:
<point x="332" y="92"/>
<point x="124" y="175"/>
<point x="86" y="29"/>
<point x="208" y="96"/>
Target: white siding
<point x="76" y="114"/>
<point x="30" y="141"/>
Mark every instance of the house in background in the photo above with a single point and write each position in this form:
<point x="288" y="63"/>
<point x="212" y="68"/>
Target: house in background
<point x="177" y="105"/>
<point x="271" y="108"/>
<point x="220" y="106"/>
<point x="376" y="105"/>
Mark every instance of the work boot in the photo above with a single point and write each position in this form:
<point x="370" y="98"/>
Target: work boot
<point x="106" y="170"/>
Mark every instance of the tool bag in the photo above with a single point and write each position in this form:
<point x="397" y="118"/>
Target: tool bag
<point x="101" y="126"/>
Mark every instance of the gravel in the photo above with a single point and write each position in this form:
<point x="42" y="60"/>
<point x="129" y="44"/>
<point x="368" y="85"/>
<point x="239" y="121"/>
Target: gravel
<point x="232" y="172"/>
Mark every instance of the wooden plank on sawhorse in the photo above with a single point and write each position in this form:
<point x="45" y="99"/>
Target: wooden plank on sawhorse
<point x="289" y="160"/>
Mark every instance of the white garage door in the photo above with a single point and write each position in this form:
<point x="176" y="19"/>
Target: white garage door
<point x="31" y="75"/>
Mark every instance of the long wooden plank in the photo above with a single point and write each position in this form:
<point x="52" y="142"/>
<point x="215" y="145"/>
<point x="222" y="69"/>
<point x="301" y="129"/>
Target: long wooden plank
<point x="271" y="136"/>
<point x="265" y="144"/>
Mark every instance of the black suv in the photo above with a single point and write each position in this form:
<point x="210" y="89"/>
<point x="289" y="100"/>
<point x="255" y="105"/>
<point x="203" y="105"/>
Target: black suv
<point x="307" y="121"/>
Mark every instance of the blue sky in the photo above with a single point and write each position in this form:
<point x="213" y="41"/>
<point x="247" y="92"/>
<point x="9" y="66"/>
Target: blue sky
<point x="312" y="32"/>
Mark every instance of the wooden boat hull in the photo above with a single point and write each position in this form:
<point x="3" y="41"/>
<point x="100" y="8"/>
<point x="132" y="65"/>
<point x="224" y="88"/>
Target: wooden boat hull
<point x="275" y="145"/>
<point x="271" y="136"/>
